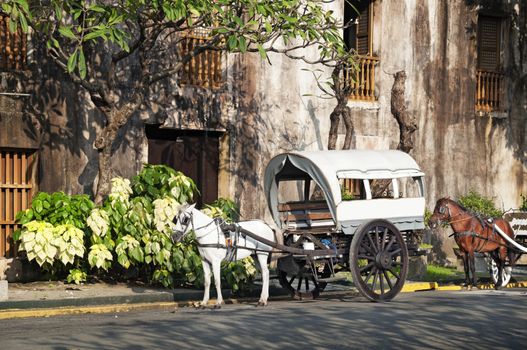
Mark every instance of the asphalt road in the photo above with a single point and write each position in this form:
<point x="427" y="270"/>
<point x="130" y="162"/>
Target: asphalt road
<point x="432" y="320"/>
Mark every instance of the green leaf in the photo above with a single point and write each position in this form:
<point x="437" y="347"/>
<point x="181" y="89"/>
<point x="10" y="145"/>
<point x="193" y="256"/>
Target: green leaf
<point x="242" y="44"/>
<point x="97" y="8"/>
<point x="232" y="43"/>
<point x="12" y="25"/>
<point x="262" y="52"/>
<point x="72" y="62"/>
<point x="82" y="64"/>
<point x="58" y="12"/>
<point x="37" y="205"/>
<point x="23" y="22"/>
<point x="67" y="32"/>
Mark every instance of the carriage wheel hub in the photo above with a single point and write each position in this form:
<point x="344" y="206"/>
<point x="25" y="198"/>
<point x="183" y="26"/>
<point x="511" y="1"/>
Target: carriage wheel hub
<point x="383" y="260"/>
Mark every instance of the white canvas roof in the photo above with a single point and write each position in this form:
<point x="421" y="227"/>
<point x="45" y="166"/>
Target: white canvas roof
<point x="327" y="167"/>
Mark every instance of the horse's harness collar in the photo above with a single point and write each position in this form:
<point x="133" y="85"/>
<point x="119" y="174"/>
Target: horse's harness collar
<point x="231" y="245"/>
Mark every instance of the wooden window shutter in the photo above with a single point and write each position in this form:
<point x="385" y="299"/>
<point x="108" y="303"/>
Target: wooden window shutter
<point x="489" y="43"/>
<point x="363" y="32"/>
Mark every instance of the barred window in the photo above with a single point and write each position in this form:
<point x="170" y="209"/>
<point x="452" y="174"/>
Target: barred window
<point x="358" y="36"/>
<point x="489" y="78"/>
<point x="16" y="189"/>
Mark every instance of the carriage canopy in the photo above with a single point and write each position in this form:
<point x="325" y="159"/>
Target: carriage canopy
<point x="328" y="168"/>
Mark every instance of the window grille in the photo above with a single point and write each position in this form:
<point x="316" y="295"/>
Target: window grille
<point x="362" y="81"/>
<point x="15" y="194"/>
<point x="203" y="69"/>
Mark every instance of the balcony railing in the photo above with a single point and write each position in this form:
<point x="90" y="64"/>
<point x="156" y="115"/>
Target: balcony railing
<point x="489" y="86"/>
<point x="362" y="81"/>
<point x="13" y="46"/>
<point x="204" y="69"/>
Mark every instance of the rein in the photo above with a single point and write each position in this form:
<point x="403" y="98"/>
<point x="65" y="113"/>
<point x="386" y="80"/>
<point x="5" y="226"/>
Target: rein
<point x="218" y="221"/>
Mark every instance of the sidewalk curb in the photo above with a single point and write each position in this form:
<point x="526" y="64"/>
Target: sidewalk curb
<point x="174" y="300"/>
<point x="124" y="307"/>
<point x="419" y="286"/>
<point x="424" y="286"/>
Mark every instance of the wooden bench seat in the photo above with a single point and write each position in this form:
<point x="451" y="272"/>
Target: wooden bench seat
<point x="305" y="215"/>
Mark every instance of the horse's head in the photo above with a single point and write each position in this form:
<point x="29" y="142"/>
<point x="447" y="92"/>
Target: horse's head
<point x="183" y="222"/>
<point x="441" y="213"/>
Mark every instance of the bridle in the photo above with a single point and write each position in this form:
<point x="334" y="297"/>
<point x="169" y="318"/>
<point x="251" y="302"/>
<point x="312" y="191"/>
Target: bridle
<point x="444" y="208"/>
<point x="188" y="219"/>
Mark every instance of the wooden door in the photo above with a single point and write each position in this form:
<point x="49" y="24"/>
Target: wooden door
<point x="194" y="153"/>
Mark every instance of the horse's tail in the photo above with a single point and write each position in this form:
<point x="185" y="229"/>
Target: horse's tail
<point x="511" y="253"/>
<point x="512" y="256"/>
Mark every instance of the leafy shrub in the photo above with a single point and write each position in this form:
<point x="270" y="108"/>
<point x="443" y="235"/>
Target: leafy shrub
<point x="133" y="226"/>
<point x="161" y="181"/>
<point x="480" y="205"/>
<point x="428" y="215"/>
<point x="223" y="208"/>
<point x="130" y="232"/>
<point x="52" y="231"/>
<point x="523" y="205"/>
<point x="76" y="276"/>
<point x="57" y="209"/>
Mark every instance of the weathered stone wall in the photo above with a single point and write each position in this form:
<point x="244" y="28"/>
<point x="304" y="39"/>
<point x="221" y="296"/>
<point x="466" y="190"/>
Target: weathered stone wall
<point x="264" y="110"/>
<point x="434" y="42"/>
<point x="15" y="126"/>
<point x="271" y="115"/>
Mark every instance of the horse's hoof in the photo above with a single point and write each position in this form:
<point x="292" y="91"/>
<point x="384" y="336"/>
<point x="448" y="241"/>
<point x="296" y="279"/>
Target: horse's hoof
<point x="199" y="305"/>
<point x="261" y="303"/>
<point x="217" y="306"/>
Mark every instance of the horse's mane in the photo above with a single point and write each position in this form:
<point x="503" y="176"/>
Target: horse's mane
<point x="469" y="211"/>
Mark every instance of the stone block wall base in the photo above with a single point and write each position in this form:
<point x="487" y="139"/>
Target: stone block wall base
<point x="3" y="290"/>
<point x="417" y="268"/>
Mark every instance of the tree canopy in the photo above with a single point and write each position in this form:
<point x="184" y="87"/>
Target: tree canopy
<point x="95" y="41"/>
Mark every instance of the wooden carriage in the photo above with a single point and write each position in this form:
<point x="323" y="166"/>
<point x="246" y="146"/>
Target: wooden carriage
<point x="360" y="210"/>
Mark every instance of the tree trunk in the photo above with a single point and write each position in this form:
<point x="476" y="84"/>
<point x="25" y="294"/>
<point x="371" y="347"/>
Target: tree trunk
<point x="333" y="129"/>
<point x="116" y="119"/>
<point x="348" y="122"/>
<point x="407" y="123"/>
<point x="341" y="110"/>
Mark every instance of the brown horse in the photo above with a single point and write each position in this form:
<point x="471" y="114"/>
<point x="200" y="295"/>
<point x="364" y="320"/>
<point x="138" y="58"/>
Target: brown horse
<point x="474" y="234"/>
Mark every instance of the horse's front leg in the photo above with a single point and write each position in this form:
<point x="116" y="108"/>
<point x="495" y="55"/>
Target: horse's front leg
<point x="472" y="264"/>
<point x="262" y="260"/>
<point x="206" y="282"/>
<point x="216" y="271"/>
<point x="466" y="268"/>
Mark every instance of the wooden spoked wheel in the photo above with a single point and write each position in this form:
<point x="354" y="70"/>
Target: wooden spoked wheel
<point x="303" y="284"/>
<point x="378" y="260"/>
<point x="506" y="273"/>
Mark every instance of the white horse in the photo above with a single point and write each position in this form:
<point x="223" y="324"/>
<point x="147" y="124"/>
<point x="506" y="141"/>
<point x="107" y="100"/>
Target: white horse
<point x="213" y="248"/>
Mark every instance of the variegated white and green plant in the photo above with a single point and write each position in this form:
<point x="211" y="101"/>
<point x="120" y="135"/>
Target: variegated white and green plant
<point x="68" y="235"/>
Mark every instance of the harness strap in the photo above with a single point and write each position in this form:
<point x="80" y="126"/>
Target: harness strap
<point x="223" y="246"/>
<point x="476" y="235"/>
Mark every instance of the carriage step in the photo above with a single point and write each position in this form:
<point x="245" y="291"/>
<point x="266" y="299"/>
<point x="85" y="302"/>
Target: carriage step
<point x="331" y="279"/>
